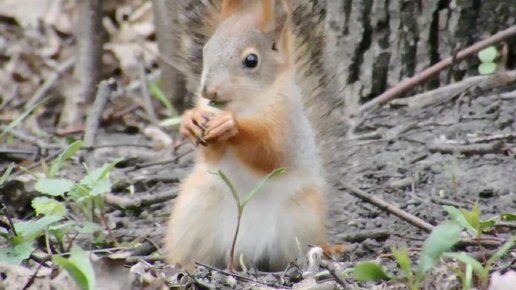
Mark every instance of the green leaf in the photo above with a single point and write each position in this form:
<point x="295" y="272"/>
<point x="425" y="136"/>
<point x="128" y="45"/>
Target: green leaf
<point x="402" y="256"/>
<point x="98" y="174"/>
<point x="457" y="216"/>
<point x="65" y="155"/>
<point x="29" y="230"/>
<point x="20" y="118"/>
<point x="231" y="188"/>
<point x="48" y="206"/>
<point x="79" y="267"/>
<point x="508" y="216"/>
<point x="487" y="68"/>
<point x="157" y="93"/>
<point x="16" y="253"/>
<point x="54" y="187"/>
<point x="487" y="224"/>
<point x="219" y="105"/>
<point x="6" y="174"/>
<point x="170" y="122"/>
<point x="468" y="260"/>
<point x="501" y="251"/>
<point x="59" y="230"/>
<point x="260" y="184"/>
<point x="473" y="217"/>
<point x="369" y="271"/>
<point x="101" y="187"/>
<point x="441" y="239"/>
<point x="488" y="54"/>
<point x="89" y="228"/>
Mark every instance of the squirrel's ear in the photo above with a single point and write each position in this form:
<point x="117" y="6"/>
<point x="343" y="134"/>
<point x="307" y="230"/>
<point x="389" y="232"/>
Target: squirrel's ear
<point x="229" y="7"/>
<point x="273" y="17"/>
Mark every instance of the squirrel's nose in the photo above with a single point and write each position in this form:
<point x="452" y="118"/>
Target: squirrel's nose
<point x="209" y="93"/>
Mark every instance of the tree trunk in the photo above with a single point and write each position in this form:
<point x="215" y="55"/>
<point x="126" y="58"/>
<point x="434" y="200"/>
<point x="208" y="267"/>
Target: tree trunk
<point x="172" y="80"/>
<point x="379" y="42"/>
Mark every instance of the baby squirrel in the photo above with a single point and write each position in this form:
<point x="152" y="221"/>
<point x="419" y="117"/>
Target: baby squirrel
<point x="249" y="67"/>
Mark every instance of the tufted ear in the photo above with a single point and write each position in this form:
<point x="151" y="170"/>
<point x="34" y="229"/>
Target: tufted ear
<point x="274" y="16"/>
<point x="229" y="7"/>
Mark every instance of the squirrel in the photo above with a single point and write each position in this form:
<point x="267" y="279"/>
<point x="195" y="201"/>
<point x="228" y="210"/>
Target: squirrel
<point x="250" y="118"/>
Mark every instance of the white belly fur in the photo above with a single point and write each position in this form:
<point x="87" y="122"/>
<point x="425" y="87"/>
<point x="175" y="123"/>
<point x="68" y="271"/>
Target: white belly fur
<point x="268" y="228"/>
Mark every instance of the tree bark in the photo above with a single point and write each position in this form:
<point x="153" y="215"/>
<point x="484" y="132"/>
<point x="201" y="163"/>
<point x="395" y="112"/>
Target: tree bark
<point x="380" y="42"/>
<point x="172" y="80"/>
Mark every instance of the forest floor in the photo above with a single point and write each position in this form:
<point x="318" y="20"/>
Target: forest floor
<point x="417" y="155"/>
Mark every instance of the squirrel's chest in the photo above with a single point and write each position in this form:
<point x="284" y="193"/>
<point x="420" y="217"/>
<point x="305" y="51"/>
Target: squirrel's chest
<point x="245" y="179"/>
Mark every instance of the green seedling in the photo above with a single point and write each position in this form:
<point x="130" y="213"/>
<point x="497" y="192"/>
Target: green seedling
<point x="441" y="239"/>
<point x="241" y="205"/>
<point x="482" y="271"/>
<point x="156" y="92"/>
<point x="79" y="266"/>
<point x="487" y="58"/>
<point x="60" y="198"/>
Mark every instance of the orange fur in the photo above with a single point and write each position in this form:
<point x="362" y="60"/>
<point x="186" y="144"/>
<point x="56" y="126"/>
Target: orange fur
<point x="257" y="144"/>
<point x="211" y="154"/>
<point x="229" y="7"/>
<point x="312" y="198"/>
<point x="266" y="15"/>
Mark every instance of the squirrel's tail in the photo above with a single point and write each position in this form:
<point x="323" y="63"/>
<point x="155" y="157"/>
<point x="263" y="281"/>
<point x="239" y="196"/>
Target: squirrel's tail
<point x="198" y="19"/>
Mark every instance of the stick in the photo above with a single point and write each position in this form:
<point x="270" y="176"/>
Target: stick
<point x="147" y="102"/>
<point x="142" y="201"/>
<point x="93" y="120"/>
<point x="411" y="82"/>
<point x="494" y="147"/>
<point x="443" y="93"/>
<point x="50" y="82"/>
<point x="11" y="97"/>
<point x="414" y="220"/>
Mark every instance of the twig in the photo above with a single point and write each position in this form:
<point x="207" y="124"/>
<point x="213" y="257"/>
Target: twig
<point x="495" y="137"/>
<point x="31" y="139"/>
<point x="243" y="278"/>
<point x="494" y="147"/>
<point x="50" y="82"/>
<point x="387" y="207"/>
<point x="331" y="269"/>
<point x="134" y="259"/>
<point x="444" y="93"/>
<point x="360" y="236"/>
<point x="164" y="162"/>
<point x="87" y="68"/>
<point x="142" y="201"/>
<point x="93" y="120"/>
<point x="147" y="102"/>
<point x="411" y="82"/>
<point x="8" y="216"/>
<point x="11" y="97"/>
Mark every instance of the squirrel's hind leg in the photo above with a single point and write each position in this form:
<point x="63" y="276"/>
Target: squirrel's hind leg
<point x="190" y="226"/>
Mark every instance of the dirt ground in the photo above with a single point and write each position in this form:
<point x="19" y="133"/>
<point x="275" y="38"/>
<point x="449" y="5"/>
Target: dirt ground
<point x="392" y="155"/>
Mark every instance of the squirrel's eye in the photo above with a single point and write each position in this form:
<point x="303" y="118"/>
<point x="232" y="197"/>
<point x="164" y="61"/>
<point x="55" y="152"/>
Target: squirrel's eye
<point x="251" y="60"/>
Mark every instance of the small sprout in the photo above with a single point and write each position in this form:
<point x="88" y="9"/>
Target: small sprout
<point x="79" y="267"/>
<point x="486" y="68"/>
<point x="369" y="271"/>
<point x="488" y="54"/>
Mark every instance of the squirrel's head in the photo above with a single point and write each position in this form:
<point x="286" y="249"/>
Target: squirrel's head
<point x="248" y="51"/>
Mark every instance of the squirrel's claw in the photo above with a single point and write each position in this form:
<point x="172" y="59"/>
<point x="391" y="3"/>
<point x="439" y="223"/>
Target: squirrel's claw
<point x="193" y="124"/>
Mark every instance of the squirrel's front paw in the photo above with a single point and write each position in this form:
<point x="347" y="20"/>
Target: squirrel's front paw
<point x="221" y="127"/>
<point x="193" y="124"/>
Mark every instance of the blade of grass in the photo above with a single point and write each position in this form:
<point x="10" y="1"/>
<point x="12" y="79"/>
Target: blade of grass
<point x="20" y="118"/>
